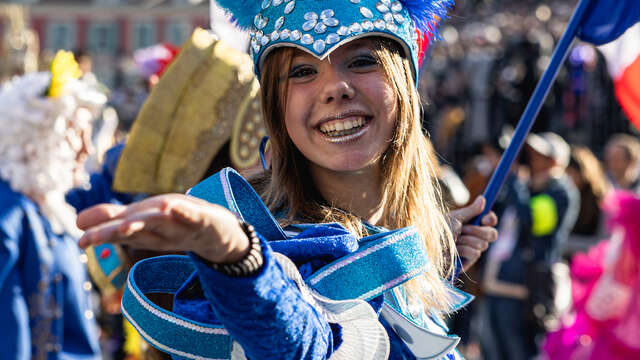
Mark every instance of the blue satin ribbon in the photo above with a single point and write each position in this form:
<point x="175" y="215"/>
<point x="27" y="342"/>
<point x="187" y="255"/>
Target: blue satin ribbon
<point x="381" y="262"/>
<point x="164" y="329"/>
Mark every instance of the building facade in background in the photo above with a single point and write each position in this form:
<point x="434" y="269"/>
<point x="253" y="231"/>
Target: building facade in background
<point x="111" y="30"/>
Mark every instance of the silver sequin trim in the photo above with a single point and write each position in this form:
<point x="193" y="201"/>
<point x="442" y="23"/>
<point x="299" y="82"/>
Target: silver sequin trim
<point x="343" y="31"/>
<point x="289" y="8"/>
<point x="366" y="12"/>
<point x="308" y="25"/>
<point x="355" y="28"/>
<point x="331" y="22"/>
<point x="279" y="23"/>
<point x="306" y="39"/>
<point x="367" y="25"/>
<point x="311" y="16"/>
<point x="318" y="46"/>
<point x="382" y="7"/>
<point x="260" y="22"/>
<point x="332" y="38"/>
<point x="327" y="13"/>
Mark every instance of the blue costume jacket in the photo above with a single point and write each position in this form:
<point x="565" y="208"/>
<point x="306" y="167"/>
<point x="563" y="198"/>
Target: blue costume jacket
<point x="268" y="313"/>
<point x="43" y="287"/>
<point x="269" y="306"/>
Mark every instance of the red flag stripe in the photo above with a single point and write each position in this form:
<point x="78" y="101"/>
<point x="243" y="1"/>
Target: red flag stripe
<point x="623" y="61"/>
<point x="627" y="88"/>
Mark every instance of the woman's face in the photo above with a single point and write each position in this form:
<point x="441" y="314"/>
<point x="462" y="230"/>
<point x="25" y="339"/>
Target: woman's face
<point x="341" y="111"/>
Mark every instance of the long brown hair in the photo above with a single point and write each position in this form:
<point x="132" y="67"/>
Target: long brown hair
<point x="410" y="195"/>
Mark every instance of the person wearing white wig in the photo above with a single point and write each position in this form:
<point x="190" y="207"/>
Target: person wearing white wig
<point x="46" y="126"/>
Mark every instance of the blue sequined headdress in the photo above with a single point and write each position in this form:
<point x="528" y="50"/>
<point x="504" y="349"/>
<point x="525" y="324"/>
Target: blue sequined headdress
<point x="320" y="26"/>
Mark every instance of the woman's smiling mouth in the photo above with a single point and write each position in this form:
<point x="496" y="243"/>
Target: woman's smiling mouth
<point x="344" y="128"/>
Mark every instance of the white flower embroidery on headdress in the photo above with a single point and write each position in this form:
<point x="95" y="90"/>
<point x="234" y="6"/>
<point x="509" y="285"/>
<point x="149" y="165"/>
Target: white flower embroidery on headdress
<point x="36" y="158"/>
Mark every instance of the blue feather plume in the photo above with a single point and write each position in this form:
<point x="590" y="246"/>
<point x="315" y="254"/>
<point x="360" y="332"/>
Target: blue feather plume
<point x="242" y="11"/>
<point x="426" y="14"/>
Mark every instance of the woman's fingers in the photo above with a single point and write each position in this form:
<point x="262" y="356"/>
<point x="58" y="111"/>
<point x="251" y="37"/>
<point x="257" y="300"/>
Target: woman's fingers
<point x="468" y="212"/>
<point x="168" y="222"/>
<point x="189" y="214"/>
<point x="490" y="219"/>
<point x="469" y="253"/>
<point x="199" y="214"/>
<point x="99" y="214"/>
<point x="152" y="241"/>
<point x="144" y="220"/>
<point x="99" y="234"/>
<point x="473" y="242"/>
<point x="470" y="248"/>
<point x="105" y="212"/>
<point x="127" y="229"/>
<point x="486" y="233"/>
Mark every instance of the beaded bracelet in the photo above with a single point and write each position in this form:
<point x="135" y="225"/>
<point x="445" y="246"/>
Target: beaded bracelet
<point x="251" y="263"/>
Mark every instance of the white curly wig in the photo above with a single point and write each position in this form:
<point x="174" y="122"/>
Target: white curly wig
<point x="37" y="158"/>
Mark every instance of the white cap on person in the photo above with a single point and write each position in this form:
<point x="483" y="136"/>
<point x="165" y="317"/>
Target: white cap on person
<point x="551" y="145"/>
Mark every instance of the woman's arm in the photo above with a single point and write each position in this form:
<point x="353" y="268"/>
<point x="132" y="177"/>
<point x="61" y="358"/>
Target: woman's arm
<point x="264" y="312"/>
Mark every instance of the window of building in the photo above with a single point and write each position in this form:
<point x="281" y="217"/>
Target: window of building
<point x="103" y="38"/>
<point x="109" y="2"/>
<point x="178" y="31"/>
<point x="60" y="35"/>
<point x="144" y="35"/>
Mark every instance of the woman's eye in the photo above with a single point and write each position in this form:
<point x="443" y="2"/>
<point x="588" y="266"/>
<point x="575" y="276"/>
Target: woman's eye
<point x="363" y="62"/>
<point x="301" y="71"/>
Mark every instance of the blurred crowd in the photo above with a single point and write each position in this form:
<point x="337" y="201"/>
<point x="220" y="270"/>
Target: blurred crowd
<point x="475" y="84"/>
<point x="481" y="74"/>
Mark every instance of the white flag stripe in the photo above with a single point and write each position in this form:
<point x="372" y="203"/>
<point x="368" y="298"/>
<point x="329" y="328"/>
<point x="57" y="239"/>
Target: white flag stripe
<point x="622" y="52"/>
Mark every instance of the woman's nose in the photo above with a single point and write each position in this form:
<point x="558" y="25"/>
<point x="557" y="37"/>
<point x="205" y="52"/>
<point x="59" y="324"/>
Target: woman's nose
<point x="337" y="86"/>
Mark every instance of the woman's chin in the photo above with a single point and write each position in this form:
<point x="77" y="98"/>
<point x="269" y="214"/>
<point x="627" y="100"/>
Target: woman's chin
<point x="349" y="163"/>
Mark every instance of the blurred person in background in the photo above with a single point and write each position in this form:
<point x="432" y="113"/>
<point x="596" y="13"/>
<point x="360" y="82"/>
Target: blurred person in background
<point x="588" y="176"/>
<point x="85" y="63"/>
<point x="46" y="130"/>
<point x="554" y="206"/>
<point x="503" y="280"/>
<point x="622" y="161"/>
<point x="535" y="221"/>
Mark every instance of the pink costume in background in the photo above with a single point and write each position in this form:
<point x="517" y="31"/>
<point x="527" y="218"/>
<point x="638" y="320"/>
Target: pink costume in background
<point x="605" y="320"/>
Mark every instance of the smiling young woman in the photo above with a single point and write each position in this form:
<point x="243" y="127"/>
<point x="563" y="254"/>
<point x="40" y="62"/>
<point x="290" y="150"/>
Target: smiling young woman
<point x="324" y="276"/>
<point x="319" y="179"/>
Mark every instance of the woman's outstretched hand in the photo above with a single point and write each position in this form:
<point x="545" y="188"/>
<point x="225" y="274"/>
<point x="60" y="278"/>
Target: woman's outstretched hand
<point x="472" y="240"/>
<point x="167" y="222"/>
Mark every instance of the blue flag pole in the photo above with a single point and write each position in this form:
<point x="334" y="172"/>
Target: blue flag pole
<point x="531" y="111"/>
<point x="533" y="108"/>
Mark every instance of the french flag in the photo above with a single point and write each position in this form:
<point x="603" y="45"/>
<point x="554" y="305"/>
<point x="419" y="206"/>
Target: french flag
<point x="614" y="24"/>
<point x="623" y="62"/>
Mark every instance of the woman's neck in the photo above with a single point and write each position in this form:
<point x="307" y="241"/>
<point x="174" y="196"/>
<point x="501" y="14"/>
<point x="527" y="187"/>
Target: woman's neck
<point x="357" y="192"/>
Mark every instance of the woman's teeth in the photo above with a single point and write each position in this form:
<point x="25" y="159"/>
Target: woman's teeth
<point x="343" y="127"/>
